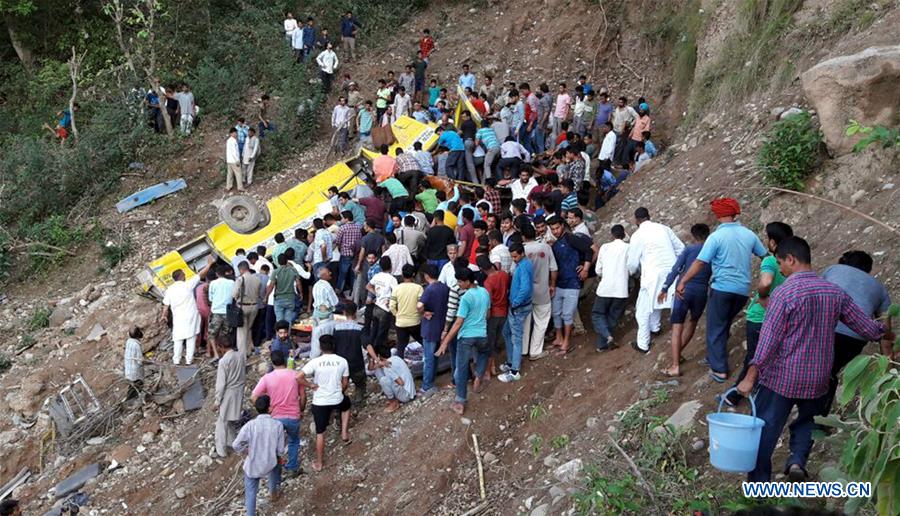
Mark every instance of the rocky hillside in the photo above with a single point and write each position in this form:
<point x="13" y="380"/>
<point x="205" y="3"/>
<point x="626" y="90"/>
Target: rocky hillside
<point x="718" y="74"/>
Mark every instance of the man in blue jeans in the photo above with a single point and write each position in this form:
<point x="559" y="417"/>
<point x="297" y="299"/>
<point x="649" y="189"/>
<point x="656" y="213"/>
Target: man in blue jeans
<point x="729" y="250"/>
<point x="287" y="399"/>
<point x="285" y="282"/>
<point x="433" y="307"/>
<point x="262" y="441"/>
<point x="519" y="309"/>
<point x="471" y="327"/>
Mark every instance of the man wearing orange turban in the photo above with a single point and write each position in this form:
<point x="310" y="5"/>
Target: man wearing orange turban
<point x="729" y="250"/>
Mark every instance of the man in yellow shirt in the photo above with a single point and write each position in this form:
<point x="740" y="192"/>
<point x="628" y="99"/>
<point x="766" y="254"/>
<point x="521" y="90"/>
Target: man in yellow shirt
<point x="404" y="301"/>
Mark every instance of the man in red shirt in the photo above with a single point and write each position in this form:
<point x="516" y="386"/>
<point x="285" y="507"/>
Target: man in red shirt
<point x="466" y="233"/>
<point x="426" y="45"/>
<point x="497" y="285"/>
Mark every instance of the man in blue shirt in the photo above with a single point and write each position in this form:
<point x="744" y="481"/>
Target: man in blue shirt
<point x="693" y="301"/>
<point x="433" y="307"/>
<point x="456" y="160"/>
<point x="308" y="34"/>
<point x="471" y="327"/>
<point x="573" y="261"/>
<point x="349" y="27"/>
<point x="467" y="79"/>
<point x="520" y="290"/>
<point x="729" y="250"/>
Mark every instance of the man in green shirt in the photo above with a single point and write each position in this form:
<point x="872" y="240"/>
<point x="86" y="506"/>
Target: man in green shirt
<point x="284" y="282"/>
<point x="770" y="278"/>
<point x="399" y="194"/>
<point x="429" y="200"/>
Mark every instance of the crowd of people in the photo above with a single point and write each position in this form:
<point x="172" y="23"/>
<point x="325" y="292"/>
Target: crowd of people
<point x="493" y="273"/>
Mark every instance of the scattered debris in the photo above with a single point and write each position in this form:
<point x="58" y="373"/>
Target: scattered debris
<point x="148" y="195"/>
<point x="74" y="403"/>
<point x="570" y="471"/>
<point x="21" y="477"/>
<point x="77" y="480"/>
<point x="194" y="394"/>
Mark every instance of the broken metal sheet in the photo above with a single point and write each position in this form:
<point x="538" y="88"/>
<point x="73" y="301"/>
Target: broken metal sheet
<point x="76" y="480"/>
<point x="193" y="396"/>
<point x="150" y="194"/>
<point x="74" y="403"/>
<point x="22" y="477"/>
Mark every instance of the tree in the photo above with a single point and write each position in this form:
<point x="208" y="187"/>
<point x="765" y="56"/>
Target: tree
<point x="13" y="11"/>
<point x="141" y="16"/>
<point x="75" y="74"/>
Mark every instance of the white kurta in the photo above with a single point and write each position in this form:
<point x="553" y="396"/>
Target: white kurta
<point x="653" y="249"/>
<point x="185" y="316"/>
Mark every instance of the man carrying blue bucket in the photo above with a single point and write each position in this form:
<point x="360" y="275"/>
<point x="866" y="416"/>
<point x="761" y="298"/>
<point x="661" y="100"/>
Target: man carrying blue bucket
<point x="793" y="359"/>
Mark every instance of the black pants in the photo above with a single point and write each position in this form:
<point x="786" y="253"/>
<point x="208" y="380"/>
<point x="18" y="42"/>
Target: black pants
<point x="410" y="180"/>
<point x="381" y="323"/>
<point x="753" y="330"/>
<point x="514" y="164"/>
<point x="403" y="335"/>
<point x="326" y="81"/>
<point x="845" y="350"/>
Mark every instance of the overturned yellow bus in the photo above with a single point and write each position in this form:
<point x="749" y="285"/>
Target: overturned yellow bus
<point x="295" y="208"/>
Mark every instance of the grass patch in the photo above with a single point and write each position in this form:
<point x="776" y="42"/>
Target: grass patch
<point x="675" y="29"/>
<point x="746" y="56"/>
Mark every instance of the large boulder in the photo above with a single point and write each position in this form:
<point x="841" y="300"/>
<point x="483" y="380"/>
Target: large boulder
<point x="861" y="86"/>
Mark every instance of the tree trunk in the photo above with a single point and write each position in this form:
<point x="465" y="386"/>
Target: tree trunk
<point x="167" y="121"/>
<point x="22" y="50"/>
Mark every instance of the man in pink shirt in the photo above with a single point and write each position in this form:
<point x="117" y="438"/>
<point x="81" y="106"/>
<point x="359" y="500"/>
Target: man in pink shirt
<point x="288" y="398"/>
<point x="560" y="109"/>
<point x="641" y="125"/>
<point x="384" y="166"/>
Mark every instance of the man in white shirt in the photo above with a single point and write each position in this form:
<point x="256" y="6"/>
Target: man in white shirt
<point x="608" y="147"/>
<point x="290" y="25"/>
<point x="328" y="64"/>
<point x="499" y="254"/>
<point x="233" y="162"/>
<point x="402" y="102"/>
<point x="180" y="299"/>
<point x="297" y="43"/>
<point x="653" y="250"/>
<point x="512" y="155"/>
<point x="612" y="290"/>
<point x="521" y="188"/>
<point x="340" y="121"/>
<point x="324" y="298"/>
<point x="251" y="152"/>
<point x="382" y="285"/>
<point x="395" y="378"/>
<point x="332" y="373"/>
<point x="398" y="253"/>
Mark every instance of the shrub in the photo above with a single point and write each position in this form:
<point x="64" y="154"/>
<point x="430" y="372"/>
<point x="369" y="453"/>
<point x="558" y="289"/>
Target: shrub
<point x="39" y="319"/>
<point x="113" y="253"/>
<point x="790" y="152"/>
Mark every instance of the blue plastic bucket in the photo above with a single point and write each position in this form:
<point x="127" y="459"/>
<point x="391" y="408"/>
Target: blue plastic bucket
<point x="734" y="438"/>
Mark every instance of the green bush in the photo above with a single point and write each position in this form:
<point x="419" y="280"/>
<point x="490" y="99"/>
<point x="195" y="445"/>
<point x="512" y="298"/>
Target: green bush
<point x="790" y="152"/>
<point x="39" y="319"/>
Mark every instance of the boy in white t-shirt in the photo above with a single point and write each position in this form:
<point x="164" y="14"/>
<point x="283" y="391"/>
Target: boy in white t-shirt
<point x="332" y="373"/>
<point x="382" y="285"/>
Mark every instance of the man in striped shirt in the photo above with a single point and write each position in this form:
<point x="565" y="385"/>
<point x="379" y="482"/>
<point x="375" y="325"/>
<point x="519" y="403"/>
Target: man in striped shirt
<point x="794" y="356"/>
<point x="487" y="138"/>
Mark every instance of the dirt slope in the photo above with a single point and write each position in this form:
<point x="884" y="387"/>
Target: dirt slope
<point x="421" y="459"/>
